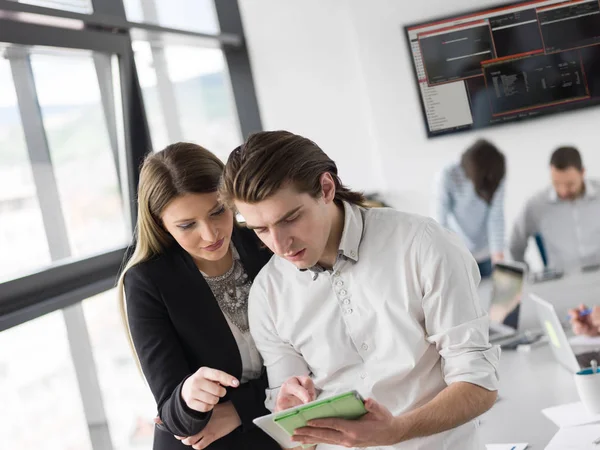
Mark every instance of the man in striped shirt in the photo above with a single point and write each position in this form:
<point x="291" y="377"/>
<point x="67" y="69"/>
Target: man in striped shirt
<point x="469" y="200"/>
<point x="565" y="215"/>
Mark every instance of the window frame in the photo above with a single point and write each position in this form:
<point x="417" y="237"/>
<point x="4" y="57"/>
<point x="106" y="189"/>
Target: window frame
<point x="108" y="31"/>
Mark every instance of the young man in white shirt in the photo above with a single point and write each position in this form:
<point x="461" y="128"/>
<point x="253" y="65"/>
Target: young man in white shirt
<point x="369" y="299"/>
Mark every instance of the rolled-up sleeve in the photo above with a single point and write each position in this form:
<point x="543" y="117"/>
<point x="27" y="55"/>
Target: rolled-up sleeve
<point x="454" y="319"/>
<point x="281" y="360"/>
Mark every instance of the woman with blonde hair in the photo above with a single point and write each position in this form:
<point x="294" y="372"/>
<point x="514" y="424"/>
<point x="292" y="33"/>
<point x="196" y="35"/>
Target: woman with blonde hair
<point x="184" y="298"/>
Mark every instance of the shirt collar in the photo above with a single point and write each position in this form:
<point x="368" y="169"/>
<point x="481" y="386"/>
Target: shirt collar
<point x="353" y="230"/>
<point x="590" y="193"/>
<point x="351" y="236"/>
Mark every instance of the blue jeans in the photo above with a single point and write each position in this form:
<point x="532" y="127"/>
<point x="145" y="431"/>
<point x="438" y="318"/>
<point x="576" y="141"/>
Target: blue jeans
<point x="485" y="268"/>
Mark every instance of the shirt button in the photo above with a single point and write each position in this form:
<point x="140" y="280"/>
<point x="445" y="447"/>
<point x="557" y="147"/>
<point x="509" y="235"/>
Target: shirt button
<point x="353" y="253"/>
<point x="363" y="376"/>
<point x="343" y="292"/>
<point x="349" y="311"/>
<point x="365" y="347"/>
<point x="339" y="283"/>
<point x="346" y="301"/>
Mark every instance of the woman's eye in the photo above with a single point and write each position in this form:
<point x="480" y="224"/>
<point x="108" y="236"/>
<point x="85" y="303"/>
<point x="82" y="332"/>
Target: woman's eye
<point x="186" y="226"/>
<point x="219" y="211"/>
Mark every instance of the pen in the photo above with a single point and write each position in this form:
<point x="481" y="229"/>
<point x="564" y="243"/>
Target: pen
<point x="583" y="313"/>
<point x="514" y="448"/>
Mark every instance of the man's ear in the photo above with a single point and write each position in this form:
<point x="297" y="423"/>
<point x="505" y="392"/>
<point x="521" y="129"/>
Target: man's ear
<point x="327" y="187"/>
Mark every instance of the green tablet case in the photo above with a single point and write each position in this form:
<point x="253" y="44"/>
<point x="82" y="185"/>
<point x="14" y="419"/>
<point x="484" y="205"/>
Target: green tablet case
<point x="349" y="406"/>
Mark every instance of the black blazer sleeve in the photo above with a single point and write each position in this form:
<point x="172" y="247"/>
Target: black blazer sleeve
<point x="160" y="354"/>
<point x="249" y="400"/>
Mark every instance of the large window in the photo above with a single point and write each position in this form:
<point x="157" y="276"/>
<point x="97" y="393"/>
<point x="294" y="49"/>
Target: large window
<point x="41" y="404"/>
<point x="195" y="15"/>
<point x="87" y="89"/>
<point x="187" y="95"/>
<point x="61" y="194"/>
<point x="129" y="405"/>
<point x="21" y="224"/>
<point x="79" y="6"/>
<point x="78" y="136"/>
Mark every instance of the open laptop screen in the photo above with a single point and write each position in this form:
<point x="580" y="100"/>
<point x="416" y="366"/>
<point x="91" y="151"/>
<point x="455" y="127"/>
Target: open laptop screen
<point x="507" y="289"/>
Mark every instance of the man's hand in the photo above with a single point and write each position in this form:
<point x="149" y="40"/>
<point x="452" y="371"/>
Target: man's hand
<point x="588" y="325"/>
<point x="453" y="406"/>
<point x="223" y="421"/>
<point x="376" y="428"/>
<point x="295" y="391"/>
<point x="203" y="390"/>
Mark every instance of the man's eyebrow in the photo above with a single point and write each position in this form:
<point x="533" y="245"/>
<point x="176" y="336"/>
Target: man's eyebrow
<point x="285" y="216"/>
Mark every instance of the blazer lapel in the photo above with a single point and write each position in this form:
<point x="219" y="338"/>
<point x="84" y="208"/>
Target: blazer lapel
<point x="213" y="320"/>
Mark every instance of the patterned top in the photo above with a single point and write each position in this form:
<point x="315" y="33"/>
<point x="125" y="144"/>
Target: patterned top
<point x="231" y="292"/>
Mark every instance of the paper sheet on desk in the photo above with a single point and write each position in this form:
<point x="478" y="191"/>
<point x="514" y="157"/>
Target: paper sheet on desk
<point x="506" y="447"/>
<point x="570" y="415"/>
<point x="576" y="438"/>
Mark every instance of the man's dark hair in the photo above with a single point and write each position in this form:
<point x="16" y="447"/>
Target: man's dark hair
<point x="566" y="157"/>
<point x="268" y="160"/>
<point x="485" y="166"/>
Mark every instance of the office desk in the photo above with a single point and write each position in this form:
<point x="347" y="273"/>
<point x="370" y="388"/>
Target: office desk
<point x="530" y="382"/>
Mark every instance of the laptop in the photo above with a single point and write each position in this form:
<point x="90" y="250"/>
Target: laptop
<point x="508" y="279"/>
<point x="566" y="355"/>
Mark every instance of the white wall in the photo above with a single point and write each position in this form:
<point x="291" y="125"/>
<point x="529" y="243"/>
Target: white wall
<point x="308" y="80"/>
<point x="339" y="71"/>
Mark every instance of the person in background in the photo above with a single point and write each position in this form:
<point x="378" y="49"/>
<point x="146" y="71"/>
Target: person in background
<point x="184" y="298"/>
<point x="566" y="216"/>
<point x="469" y="200"/>
<point x="370" y="299"/>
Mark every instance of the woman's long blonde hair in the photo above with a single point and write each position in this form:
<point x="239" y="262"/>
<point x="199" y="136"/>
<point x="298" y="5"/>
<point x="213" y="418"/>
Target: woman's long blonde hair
<point x="179" y="169"/>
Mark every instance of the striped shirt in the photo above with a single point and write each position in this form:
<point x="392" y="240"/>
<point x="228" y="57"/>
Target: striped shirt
<point x="459" y="208"/>
<point x="570" y="229"/>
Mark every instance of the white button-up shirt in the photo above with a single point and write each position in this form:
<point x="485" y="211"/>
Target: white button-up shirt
<point x="397" y="319"/>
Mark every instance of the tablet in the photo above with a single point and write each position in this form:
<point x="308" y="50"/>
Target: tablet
<point x="281" y="426"/>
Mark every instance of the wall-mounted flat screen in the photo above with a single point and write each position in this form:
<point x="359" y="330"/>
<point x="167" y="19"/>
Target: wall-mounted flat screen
<point x="508" y="63"/>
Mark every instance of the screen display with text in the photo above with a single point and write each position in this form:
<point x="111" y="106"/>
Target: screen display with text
<point x="507" y="63"/>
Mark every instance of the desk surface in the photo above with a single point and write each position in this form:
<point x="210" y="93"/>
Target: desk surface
<point x="530" y="382"/>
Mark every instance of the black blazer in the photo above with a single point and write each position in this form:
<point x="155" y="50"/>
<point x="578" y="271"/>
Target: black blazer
<point x="178" y="327"/>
